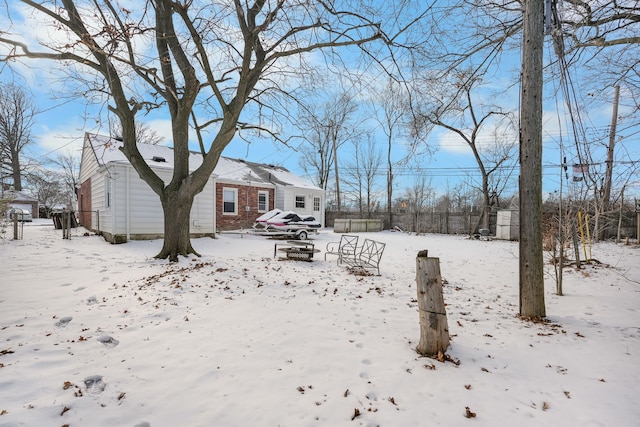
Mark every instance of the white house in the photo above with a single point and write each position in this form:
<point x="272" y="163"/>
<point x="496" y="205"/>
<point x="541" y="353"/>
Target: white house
<point x="115" y="202"/>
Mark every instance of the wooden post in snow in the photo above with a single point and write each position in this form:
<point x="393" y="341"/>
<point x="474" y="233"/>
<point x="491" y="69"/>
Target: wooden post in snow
<point x="434" y="330"/>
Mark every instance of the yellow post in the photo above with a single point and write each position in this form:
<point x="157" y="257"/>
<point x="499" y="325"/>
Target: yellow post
<point x="582" y="240"/>
<point x="586" y="225"/>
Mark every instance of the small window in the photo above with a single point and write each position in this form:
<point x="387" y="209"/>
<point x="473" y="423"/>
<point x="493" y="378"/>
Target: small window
<point x="229" y="201"/>
<point x="300" y="202"/>
<point x="316" y="204"/>
<point x="263" y="201"/>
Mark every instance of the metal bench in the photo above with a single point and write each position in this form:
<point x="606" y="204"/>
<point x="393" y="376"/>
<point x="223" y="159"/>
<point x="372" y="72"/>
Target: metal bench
<point x="345" y="248"/>
<point x="368" y="257"/>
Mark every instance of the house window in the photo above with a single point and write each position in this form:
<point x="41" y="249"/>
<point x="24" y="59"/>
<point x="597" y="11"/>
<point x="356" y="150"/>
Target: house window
<point x="300" y="202"/>
<point x="316" y="204"/>
<point x="263" y="201"/>
<point x="229" y="201"/>
<point x="107" y="192"/>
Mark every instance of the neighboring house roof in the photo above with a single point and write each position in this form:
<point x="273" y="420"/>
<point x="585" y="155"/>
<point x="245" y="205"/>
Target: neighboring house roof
<point x="107" y="150"/>
<point x="19" y="196"/>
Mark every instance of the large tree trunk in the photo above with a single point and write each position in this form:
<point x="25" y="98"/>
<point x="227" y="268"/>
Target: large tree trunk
<point x="176" y="206"/>
<point x="16" y="172"/>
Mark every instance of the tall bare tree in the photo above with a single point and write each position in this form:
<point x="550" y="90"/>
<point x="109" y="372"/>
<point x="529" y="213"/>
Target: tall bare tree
<point x="390" y="111"/>
<point x="326" y="128"/>
<point x="494" y="151"/>
<point x="17" y="117"/>
<point x="202" y="63"/>
<point x="362" y="175"/>
<point x="418" y="197"/>
<point x="604" y="38"/>
<point x="69" y="165"/>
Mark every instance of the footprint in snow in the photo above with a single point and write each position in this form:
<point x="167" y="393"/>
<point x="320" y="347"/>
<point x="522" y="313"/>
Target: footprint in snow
<point x="92" y="300"/>
<point x="108" y="341"/>
<point x="63" y="322"/>
<point x="94" y="384"/>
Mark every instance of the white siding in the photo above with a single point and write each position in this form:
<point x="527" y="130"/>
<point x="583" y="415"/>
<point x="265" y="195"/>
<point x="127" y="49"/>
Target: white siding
<point x="101" y="215"/>
<point x="138" y="209"/>
<point x="286" y="200"/>
<point x="88" y="163"/>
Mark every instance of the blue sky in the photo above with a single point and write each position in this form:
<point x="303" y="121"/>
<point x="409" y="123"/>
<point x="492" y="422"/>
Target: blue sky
<point x="61" y="124"/>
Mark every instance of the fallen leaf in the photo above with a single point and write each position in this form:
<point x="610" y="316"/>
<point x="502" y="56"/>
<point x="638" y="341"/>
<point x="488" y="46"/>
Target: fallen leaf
<point x="356" y="413"/>
<point x="545" y="406"/>
<point x="65" y="409"/>
<point x="346" y="393"/>
<point x="566" y="393"/>
<point x="467" y="386"/>
<point x="468" y="413"/>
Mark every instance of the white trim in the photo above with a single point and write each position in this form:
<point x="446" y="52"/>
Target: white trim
<point x="235" y="201"/>
<point x="266" y="201"/>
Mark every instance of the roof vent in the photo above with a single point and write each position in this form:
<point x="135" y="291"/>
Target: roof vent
<point x="119" y="138"/>
<point x="158" y="159"/>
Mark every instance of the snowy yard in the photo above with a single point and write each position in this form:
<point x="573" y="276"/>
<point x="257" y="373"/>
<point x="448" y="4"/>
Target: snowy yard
<point x="94" y="334"/>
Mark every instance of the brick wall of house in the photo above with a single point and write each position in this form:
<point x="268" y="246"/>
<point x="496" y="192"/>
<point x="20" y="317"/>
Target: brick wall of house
<point x="247" y="196"/>
<point x="84" y="204"/>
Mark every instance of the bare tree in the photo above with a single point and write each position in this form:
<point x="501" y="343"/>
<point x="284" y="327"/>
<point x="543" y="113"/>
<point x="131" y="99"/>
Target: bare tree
<point x="325" y="129"/>
<point x="362" y="173"/>
<point x="205" y="65"/>
<point x="604" y="38"/>
<point x="49" y="188"/>
<point x="418" y="197"/>
<point x="69" y="165"/>
<point x="17" y="116"/>
<point x="390" y="111"/>
<point x="461" y="115"/>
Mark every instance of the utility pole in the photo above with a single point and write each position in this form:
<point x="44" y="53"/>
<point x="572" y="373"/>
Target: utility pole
<point x="606" y="191"/>
<point x="531" y="261"/>
<point x="561" y="238"/>
<point x="333" y="135"/>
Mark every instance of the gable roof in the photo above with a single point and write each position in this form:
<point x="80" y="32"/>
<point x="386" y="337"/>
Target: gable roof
<point x="107" y="150"/>
<point x="18" y="196"/>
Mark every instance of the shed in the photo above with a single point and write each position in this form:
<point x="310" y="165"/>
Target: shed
<point x="508" y="224"/>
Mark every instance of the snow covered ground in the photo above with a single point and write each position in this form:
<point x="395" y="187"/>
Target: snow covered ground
<point x="93" y="334"/>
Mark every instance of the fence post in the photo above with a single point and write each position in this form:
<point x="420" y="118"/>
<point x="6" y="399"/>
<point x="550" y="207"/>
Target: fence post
<point x="434" y="329"/>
